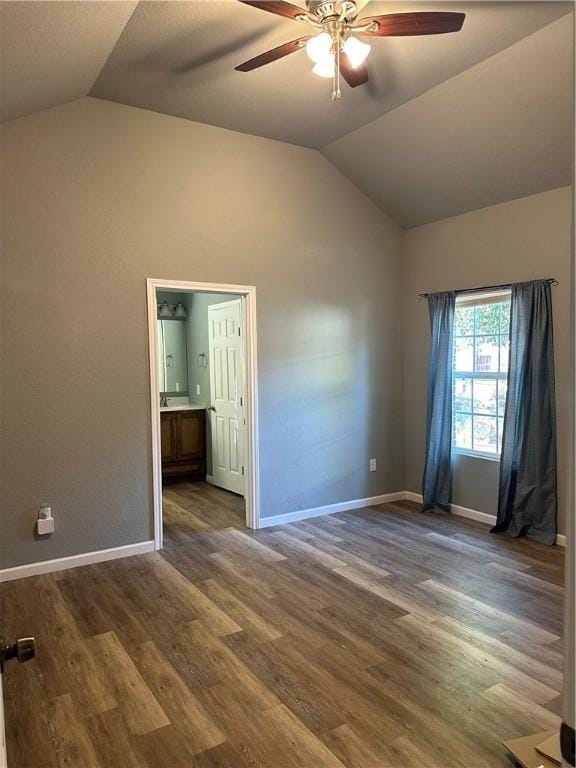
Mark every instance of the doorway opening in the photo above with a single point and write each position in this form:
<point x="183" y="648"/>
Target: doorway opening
<point x="203" y="405"/>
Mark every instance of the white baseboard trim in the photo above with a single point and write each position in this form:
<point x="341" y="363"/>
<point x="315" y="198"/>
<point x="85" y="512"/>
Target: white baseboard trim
<point x="473" y="514"/>
<point x="74" y="561"/>
<point x="329" y="509"/>
<point x="142" y="547"/>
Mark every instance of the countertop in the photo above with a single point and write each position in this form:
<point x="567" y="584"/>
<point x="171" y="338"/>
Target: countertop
<point x="166" y="409"/>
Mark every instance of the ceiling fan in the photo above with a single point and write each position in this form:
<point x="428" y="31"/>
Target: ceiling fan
<point x="334" y="47"/>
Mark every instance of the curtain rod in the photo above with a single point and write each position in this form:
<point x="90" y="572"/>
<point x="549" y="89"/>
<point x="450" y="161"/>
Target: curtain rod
<point x="551" y="280"/>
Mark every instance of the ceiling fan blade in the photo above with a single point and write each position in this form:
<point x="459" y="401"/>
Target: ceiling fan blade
<point x="353" y="76"/>
<point x="272" y="55"/>
<point x="417" y="23"/>
<point x="279" y="7"/>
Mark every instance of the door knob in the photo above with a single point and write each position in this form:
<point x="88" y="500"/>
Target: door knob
<point x="23" y="649"/>
<point x="211" y="408"/>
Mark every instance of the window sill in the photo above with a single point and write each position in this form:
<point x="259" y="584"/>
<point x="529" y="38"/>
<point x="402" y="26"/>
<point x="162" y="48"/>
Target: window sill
<point x="476" y="454"/>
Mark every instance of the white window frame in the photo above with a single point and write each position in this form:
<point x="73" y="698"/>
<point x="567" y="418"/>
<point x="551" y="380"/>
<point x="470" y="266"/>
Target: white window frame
<point x="478" y="299"/>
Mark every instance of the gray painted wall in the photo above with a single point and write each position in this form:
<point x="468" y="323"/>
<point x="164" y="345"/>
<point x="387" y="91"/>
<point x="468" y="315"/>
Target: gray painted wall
<point x="98" y="196"/>
<point x="520" y="240"/>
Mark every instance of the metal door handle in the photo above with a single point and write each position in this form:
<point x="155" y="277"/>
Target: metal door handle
<point x="23" y="649"/>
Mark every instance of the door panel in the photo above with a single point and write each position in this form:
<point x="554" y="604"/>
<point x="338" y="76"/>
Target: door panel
<point x="167" y="436"/>
<point x="191" y="434"/>
<point x="235" y="465"/>
<point x="232" y="374"/>
<point x="218" y="374"/>
<point x="219" y="456"/>
<point x="226" y="391"/>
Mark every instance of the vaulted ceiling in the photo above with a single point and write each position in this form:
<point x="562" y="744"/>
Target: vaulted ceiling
<point x="447" y="123"/>
<point x="498" y="131"/>
<point x="52" y="52"/>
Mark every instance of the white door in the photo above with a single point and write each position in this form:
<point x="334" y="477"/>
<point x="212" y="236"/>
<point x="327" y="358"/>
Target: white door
<point x="226" y="347"/>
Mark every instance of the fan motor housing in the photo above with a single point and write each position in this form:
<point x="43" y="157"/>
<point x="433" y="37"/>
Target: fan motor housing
<point x="325" y="10"/>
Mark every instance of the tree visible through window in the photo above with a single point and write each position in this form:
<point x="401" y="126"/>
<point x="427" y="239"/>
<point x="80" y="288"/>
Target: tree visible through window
<point x="481" y="352"/>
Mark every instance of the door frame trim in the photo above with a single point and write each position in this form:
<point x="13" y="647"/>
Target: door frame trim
<point x="251" y="451"/>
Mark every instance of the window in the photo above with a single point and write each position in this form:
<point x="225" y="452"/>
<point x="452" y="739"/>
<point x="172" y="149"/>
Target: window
<point x="481" y="352"/>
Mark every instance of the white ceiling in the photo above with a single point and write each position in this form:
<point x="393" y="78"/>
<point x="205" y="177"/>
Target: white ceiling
<point x="447" y="123"/>
<point x="501" y="130"/>
<point x="52" y="52"/>
<point x="179" y="58"/>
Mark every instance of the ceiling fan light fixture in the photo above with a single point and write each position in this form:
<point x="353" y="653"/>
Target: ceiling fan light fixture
<point x="357" y="51"/>
<point x="334" y="24"/>
<point x="325" y="68"/>
<point x="319" y="48"/>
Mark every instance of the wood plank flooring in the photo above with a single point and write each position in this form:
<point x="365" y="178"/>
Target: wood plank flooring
<point x="380" y="638"/>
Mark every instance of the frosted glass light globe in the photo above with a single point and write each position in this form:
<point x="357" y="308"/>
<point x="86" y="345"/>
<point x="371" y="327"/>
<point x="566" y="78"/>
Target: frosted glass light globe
<point x="356" y="51"/>
<point x="319" y="47"/>
<point x="325" y="68"/>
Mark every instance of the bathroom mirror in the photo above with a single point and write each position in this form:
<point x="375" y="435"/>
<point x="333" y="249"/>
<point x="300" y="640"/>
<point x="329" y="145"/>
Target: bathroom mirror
<point x="172" y="362"/>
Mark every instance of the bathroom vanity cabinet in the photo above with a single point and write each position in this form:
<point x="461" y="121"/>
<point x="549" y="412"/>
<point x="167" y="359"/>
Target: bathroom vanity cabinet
<point x="183" y="440"/>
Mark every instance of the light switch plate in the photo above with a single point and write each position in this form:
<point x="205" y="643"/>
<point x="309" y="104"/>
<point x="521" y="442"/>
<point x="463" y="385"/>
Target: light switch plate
<point x="372" y="465"/>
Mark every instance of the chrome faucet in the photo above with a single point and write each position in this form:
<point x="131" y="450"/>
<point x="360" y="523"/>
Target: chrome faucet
<point x="163" y="401"/>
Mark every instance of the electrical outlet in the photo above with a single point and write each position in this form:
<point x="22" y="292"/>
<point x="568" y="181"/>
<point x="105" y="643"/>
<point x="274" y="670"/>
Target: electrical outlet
<point x="197" y="389"/>
<point x="45" y="526"/>
<point x="372" y="465"/>
<point x="45" y="522"/>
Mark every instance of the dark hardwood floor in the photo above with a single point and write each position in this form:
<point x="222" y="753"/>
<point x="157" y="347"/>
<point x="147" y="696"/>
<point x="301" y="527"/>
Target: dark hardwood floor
<point x="189" y="507"/>
<point x="380" y="638"/>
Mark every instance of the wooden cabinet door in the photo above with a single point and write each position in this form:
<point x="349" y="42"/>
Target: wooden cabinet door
<point x="190" y="435"/>
<point x="168" y="436"/>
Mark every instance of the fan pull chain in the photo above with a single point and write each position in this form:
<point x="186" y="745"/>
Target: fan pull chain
<point x="336" y="92"/>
